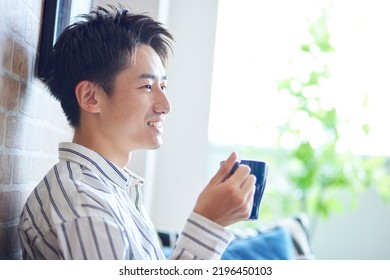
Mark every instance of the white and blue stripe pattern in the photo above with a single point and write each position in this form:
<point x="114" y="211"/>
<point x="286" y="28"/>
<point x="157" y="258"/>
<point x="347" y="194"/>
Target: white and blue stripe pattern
<point x="87" y="208"/>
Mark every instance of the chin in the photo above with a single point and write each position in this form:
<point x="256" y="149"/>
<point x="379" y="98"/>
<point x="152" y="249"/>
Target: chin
<point x="155" y="146"/>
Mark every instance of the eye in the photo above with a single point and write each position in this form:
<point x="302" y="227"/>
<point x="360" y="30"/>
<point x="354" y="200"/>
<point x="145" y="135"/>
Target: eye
<point x="163" y="88"/>
<point x="148" y="86"/>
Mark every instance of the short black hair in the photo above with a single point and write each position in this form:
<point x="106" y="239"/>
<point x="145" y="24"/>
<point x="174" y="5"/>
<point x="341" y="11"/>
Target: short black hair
<point x="97" y="48"/>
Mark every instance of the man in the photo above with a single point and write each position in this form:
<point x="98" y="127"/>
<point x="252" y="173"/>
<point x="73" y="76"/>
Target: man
<point x="108" y="72"/>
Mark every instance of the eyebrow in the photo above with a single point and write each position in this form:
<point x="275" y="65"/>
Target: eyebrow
<point x="152" y="76"/>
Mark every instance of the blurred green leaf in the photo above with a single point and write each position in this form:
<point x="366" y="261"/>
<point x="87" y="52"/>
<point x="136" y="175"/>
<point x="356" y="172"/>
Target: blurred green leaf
<point x="366" y="128"/>
<point x="305" y="48"/>
<point x="321" y="179"/>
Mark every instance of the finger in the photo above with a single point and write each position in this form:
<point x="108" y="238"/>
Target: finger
<point x="248" y="186"/>
<point x="224" y="170"/>
<point x="248" y="189"/>
<point x="239" y="175"/>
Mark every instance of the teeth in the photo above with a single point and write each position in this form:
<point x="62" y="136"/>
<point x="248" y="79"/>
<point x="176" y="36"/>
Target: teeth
<point x="155" y="124"/>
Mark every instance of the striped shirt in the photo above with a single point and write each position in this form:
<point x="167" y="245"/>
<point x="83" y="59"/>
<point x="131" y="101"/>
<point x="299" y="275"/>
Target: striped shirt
<point x="88" y="208"/>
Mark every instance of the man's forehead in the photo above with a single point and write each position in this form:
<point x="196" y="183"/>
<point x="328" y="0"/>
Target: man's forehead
<point x="146" y="64"/>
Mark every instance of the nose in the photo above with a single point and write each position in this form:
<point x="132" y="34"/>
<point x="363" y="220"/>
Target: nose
<point x="162" y="105"/>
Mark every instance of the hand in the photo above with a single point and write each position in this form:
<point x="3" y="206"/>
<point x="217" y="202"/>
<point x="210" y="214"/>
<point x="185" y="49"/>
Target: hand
<point x="227" y="200"/>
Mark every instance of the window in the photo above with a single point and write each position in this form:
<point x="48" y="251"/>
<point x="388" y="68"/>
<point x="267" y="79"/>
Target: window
<point x="322" y="132"/>
<point x="255" y="45"/>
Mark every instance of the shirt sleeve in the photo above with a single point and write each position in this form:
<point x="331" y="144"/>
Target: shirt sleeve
<point x="201" y="239"/>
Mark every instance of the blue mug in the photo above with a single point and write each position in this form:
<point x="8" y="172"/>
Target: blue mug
<point x="260" y="170"/>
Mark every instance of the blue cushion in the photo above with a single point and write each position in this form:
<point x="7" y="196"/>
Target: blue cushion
<point x="167" y="251"/>
<point x="274" y="244"/>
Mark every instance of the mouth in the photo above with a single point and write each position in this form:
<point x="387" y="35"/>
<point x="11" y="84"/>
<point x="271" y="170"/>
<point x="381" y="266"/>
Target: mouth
<point x="156" y="124"/>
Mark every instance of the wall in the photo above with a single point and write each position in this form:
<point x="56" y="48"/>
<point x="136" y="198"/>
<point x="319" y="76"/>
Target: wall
<point x="360" y="233"/>
<point x="182" y="162"/>
<point x="31" y="122"/>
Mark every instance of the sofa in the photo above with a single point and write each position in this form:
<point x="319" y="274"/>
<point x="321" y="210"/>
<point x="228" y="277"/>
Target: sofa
<point x="286" y="239"/>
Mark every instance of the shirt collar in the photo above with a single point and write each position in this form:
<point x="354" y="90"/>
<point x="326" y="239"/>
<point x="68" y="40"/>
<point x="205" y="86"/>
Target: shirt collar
<point x="124" y="178"/>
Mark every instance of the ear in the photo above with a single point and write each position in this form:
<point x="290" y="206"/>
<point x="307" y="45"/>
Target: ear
<point x="87" y="96"/>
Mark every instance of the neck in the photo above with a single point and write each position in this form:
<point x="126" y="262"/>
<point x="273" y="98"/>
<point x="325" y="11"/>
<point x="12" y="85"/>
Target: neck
<point x="101" y="145"/>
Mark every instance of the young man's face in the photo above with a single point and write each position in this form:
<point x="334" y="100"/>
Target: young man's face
<point x="134" y="112"/>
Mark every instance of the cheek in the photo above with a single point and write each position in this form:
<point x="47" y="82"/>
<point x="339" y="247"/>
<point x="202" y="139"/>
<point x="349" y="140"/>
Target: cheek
<point x="127" y="108"/>
<point x="130" y="114"/>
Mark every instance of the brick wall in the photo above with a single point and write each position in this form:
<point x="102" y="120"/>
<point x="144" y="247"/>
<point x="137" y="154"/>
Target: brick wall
<point x="31" y="121"/>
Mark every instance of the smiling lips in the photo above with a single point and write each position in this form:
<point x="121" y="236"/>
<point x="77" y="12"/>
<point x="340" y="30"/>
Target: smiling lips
<point x="157" y="124"/>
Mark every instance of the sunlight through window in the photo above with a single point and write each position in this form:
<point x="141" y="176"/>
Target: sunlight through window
<point x="260" y="42"/>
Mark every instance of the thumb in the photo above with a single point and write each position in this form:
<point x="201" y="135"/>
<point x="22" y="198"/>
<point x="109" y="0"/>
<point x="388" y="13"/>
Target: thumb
<point x="224" y="170"/>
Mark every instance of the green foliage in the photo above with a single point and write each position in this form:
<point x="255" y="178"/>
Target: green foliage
<point x="316" y="172"/>
<point x="321" y="178"/>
